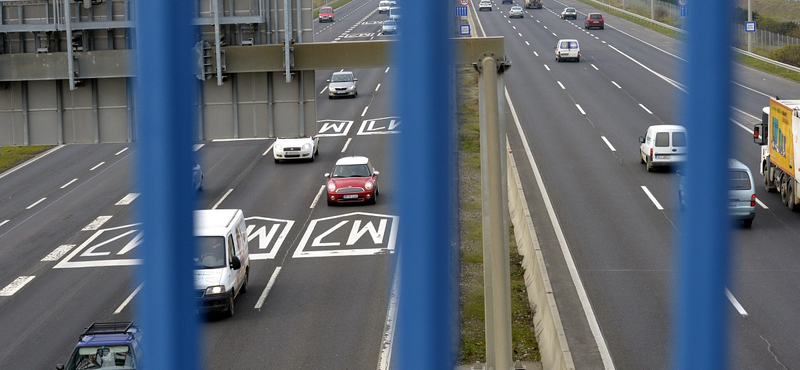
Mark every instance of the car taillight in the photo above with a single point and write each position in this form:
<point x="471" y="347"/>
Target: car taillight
<point x="651" y="152"/>
<point x="753" y="200"/>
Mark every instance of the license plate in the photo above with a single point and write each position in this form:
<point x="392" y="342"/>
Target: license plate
<point x="662" y="156"/>
<point x="350" y="196"/>
<point x="292" y="153"/>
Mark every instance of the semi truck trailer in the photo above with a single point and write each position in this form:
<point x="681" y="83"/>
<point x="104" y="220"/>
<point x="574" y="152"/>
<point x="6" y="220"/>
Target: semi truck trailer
<point x="778" y="135"/>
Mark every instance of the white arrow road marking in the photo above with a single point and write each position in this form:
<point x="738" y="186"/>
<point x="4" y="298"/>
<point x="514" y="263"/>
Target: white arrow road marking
<point x="318" y="240"/>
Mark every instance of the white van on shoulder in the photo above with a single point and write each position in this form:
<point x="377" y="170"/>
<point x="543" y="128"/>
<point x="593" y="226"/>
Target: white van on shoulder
<point x="663" y="146"/>
<point x="222" y="259"/>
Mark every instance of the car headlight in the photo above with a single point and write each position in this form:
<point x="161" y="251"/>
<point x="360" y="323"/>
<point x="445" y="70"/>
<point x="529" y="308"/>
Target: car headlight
<point x="331" y="88"/>
<point x="331" y="187"/>
<point x="216" y="289"/>
<point x="306" y="146"/>
<point x="350" y="88"/>
<point x="368" y="185"/>
<point x="278" y="148"/>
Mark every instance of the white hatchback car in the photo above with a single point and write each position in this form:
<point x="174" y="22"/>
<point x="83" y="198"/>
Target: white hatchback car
<point x="485" y="5"/>
<point x="288" y="148"/>
<point x="515" y="12"/>
<point x="568" y="49"/>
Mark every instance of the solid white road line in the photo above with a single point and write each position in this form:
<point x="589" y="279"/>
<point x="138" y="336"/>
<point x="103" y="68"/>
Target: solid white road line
<point x="121" y="151"/>
<point x="37" y="202"/>
<point x="68" y="184"/>
<point x="59" y="252"/>
<point x="268" y="288"/>
<point x="97" y="165"/>
<point x="128" y="300"/>
<point x="15" y="286"/>
<point x="742" y="126"/>
<point x="34" y="159"/>
<point x="757" y="201"/>
<point x="562" y="241"/>
<point x="652" y="198"/>
<point x="580" y="109"/>
<point x="608" y="143"/>
<point x="223" y="198"/>
<point x="735" y="303"/>
<point x="316" y="198"/>
<point x="346" y="143"/>
<point x="645" y="109"/>
<point x="388" y="332"/>
<point x="268" y="149"/>
<point x="128" y="199"/>
<point x="562" y="86"/>
<point x="94" y="225"/>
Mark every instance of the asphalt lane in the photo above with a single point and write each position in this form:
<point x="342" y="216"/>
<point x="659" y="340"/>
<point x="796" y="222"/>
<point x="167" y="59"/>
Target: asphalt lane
<point x="621" y="242"/>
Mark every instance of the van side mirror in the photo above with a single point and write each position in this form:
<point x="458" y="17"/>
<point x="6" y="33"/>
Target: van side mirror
<point x="760" y="134"/>
<point x="641" y="139"/>
<point x="236" y="263"/>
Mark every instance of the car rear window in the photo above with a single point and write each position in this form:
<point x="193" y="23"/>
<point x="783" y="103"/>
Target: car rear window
<point x="662" y="139"/>
<point x="740" y="180"/>
<point x="569" y="45"/>
<point x="595" y="16"/>
<point x="326" y="10"/>
<point x="679" y="138"/>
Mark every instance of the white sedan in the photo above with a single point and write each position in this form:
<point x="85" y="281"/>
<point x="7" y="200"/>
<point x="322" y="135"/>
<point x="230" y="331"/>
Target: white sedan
<point x="516" y="11"/>
<point x="295" y="148"/>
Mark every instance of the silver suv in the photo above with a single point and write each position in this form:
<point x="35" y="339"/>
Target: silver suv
<point x="342" y="84"/>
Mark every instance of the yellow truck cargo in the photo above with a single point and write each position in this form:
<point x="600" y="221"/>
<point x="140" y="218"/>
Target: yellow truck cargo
<point x="778" y="135"/>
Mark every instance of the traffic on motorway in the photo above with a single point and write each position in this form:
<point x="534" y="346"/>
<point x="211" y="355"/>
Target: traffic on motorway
<point x="288" y="282"/>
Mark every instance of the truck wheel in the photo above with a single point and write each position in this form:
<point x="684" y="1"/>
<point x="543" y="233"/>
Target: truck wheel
<point x="790" y="201"/>
<point x="784" y="198"/>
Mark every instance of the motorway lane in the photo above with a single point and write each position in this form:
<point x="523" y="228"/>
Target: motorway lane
<point x="603" y="249"/>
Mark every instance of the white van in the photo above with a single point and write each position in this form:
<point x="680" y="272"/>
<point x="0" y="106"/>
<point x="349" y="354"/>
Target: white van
<point x="662" y="146"/>
<point x="222" y="259"/>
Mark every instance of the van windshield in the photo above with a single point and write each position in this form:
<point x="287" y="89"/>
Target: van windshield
<point x="210" y="252"/>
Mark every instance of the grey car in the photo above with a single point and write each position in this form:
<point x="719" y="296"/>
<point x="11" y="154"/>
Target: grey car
<point x="569" y="12"/>
<point x="342" y="84"/>
<point x="741" y="192"/>
<point x="389" y="27"/>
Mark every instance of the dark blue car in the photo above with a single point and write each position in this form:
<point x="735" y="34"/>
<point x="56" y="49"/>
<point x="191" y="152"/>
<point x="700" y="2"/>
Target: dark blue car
<point x="112" y="345"/>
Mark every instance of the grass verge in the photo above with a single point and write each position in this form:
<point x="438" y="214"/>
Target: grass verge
<point x="10" y="156"/>
<point x="748" y="61"/>
<point x="473" y="334"/>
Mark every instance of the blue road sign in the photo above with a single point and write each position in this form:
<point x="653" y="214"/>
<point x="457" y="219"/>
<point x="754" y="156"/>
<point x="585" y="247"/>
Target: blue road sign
<point x="684" y="11"/>
<point x="750" y="26"/>
<point x="461" y="11"/>
<point x="465" y="30"/>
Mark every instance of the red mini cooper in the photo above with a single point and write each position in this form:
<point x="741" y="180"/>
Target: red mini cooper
<point x="353" y="180"/>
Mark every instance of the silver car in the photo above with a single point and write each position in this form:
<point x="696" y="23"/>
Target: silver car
<point x="389" y="27"/>
<point x="741" y="192"/>
<point x="342" y="84"/>
<point x="569" y="12"/>
<point x="515" y="12"/>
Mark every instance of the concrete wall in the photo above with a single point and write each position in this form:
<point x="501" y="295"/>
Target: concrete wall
<point x="549" y="331"/>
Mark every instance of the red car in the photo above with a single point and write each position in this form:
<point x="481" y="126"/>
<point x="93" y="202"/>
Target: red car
<point x="325" y="14"/>
<point x="594" y="20"/>
<point x="353" y="180"/>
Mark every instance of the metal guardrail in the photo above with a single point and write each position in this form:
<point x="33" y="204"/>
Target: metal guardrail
<point x="676" y="29"/>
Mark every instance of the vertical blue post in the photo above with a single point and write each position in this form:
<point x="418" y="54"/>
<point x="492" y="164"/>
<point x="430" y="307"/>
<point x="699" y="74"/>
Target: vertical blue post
<point x="164" y="97"/>
<point x="424" y="159"/>
<point x="701" y="339"/>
